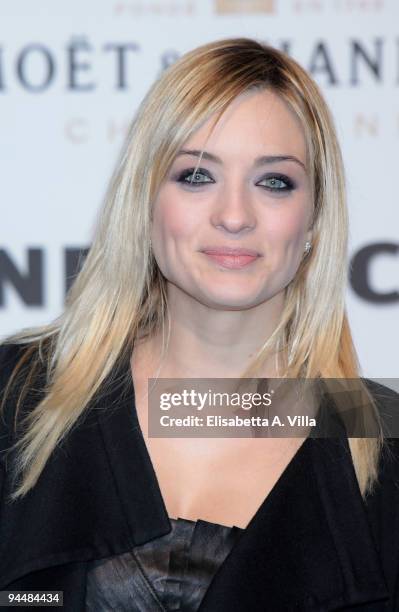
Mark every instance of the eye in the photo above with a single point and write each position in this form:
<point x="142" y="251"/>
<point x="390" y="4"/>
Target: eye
<point x="278" y="182"/>
<point x="188" y="177"/>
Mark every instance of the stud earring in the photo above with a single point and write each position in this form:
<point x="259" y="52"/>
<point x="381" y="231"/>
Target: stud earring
<point x="308" y="246"/>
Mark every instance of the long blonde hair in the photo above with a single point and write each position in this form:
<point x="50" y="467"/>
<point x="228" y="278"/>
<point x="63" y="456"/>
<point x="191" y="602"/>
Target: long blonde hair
<point x="120" y="294"/>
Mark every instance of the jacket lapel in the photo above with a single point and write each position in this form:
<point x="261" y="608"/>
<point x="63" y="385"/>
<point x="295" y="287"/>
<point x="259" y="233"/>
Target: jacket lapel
<point x="95" y="498"/>
<point x="308" y="547"/>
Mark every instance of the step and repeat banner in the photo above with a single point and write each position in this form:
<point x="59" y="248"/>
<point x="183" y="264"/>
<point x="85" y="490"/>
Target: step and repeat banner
<point x="73" y="73"/>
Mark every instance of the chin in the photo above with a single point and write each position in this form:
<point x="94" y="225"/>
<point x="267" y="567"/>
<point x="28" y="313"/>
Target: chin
<point x="232" y="300"/>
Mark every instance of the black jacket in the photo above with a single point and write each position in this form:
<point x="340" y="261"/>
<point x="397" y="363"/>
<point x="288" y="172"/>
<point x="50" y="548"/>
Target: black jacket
<point x="313" y="544"/>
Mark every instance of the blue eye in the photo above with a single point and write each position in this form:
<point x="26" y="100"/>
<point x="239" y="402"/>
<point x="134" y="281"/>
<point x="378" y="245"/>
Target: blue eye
<point x="278" y="182"/>
<point x="188" y="177"/>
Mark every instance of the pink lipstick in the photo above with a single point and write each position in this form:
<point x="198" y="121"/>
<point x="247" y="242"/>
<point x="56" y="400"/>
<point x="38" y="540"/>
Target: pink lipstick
<point x="231" y="257"/>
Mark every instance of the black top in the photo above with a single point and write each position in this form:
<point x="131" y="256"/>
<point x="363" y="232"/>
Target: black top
<point x="171" y="572"/>
<point x="313" y="545"/>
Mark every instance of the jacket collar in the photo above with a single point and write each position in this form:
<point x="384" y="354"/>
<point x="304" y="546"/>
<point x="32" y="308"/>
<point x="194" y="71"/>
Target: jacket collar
<point x="309" y="543"/>
<point x="309" y="546"/>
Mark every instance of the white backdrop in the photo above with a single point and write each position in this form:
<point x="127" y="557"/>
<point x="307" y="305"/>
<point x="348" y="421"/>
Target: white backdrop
<point x="72" y="74"/>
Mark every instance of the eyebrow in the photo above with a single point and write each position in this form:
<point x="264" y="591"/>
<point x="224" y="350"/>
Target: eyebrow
<point x="259" y="161"/>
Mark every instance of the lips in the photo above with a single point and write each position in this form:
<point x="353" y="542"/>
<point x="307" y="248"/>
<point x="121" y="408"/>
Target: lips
<point x="225" y="250"/>
<point x="232" y="258"/>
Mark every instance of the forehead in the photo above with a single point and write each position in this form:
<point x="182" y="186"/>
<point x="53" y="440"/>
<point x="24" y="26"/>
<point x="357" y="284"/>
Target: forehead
<point x="255" y="122"/>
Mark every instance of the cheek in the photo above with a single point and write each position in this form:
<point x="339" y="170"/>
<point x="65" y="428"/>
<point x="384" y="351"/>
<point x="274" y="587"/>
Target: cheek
<point x="173" y="224"/>
<point x="287" y="229"/>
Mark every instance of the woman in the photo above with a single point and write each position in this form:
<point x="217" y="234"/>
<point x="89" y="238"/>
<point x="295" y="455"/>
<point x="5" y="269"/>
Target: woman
<point x="220" y="252"/>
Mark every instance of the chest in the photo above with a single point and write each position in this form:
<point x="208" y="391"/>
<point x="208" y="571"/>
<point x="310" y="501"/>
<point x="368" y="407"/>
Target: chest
<point x="220" y="480"/>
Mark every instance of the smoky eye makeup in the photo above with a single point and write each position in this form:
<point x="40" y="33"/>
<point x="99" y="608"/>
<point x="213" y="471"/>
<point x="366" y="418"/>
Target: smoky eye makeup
<point x="193" y="176"/>
<point x="274" y="182"/>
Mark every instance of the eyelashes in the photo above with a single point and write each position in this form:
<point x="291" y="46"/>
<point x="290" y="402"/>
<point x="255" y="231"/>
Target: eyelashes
<point x="277" y="182"/>
<point x="189" y="172"/>
<point x="274" y="181"/>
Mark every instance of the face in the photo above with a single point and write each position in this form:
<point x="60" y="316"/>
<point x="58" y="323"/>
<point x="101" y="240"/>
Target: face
<point x="233" y="235"/>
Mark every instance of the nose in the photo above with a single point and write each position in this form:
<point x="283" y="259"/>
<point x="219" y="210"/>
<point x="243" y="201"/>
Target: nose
<point x="233" y="210"/>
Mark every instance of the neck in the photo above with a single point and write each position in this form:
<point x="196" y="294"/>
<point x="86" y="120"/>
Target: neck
<point x="214" y="343"/>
